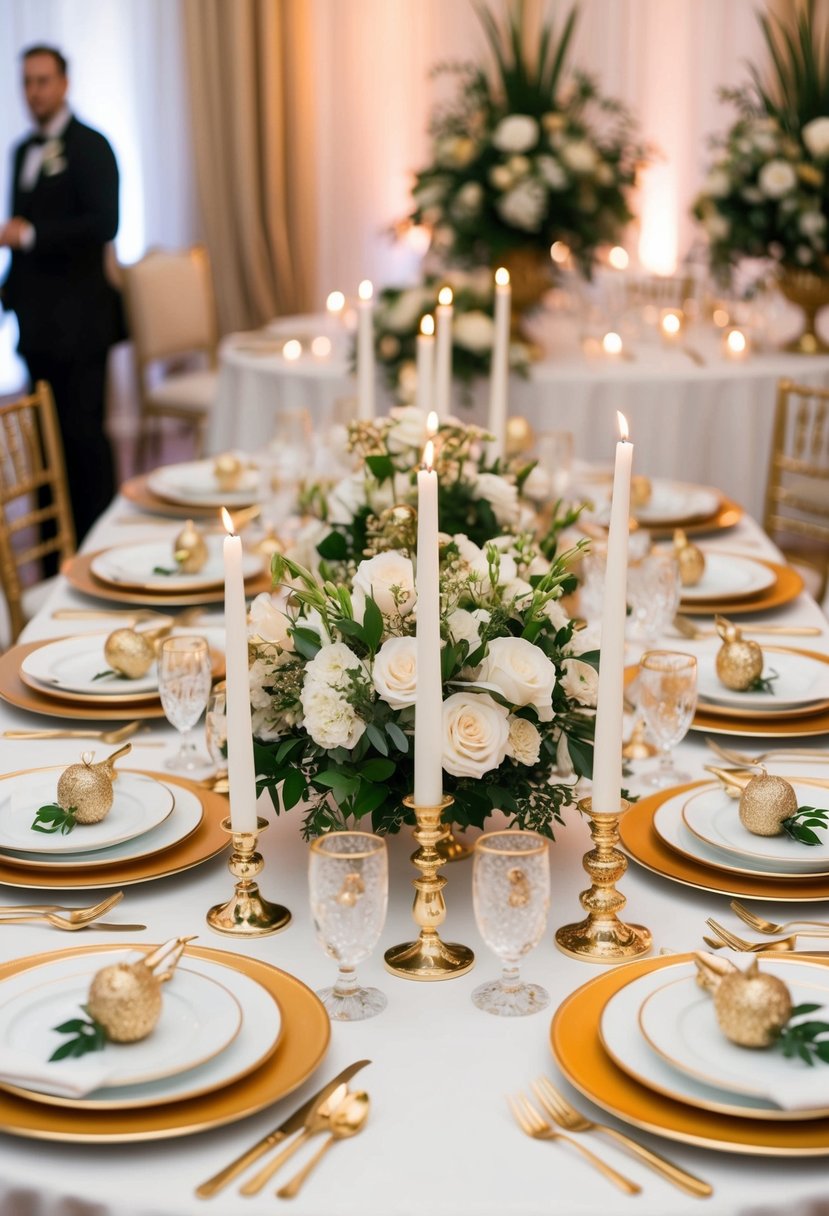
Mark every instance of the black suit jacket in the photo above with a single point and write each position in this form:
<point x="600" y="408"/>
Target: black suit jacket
<point x="65" y="306"/>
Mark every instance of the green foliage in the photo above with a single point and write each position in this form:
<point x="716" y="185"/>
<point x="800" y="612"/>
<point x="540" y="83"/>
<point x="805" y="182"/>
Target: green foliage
<point x="54" y="818"/>
<point x="807" y="1041"/>
<point x="87" y="1035"/>
<point x="799" y="826"/>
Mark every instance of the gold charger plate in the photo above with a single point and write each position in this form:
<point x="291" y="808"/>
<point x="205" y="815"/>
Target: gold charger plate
<point x="787" y="587"/>
<point x="78" y="573"/>
<point x="579" y="1053"/>
<point x="137" y="491"/>
<point x="206" y="842"/>
<point x="304" y="1042"/>
<point x="37" y="701"/>
<point x="729" y="514"/>
<point x="641" y="842"/>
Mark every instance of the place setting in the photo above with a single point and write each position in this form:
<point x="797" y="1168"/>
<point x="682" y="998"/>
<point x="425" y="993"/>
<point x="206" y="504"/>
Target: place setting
<point x="198" y="487"/>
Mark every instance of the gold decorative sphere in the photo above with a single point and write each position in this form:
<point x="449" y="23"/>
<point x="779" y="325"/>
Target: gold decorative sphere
<point x="126" y="999"/>
<point x="641" y="490"/>
<point x="129" y="653"/>
<point x="752" y="1007"/>
<point x="228" y="469"/>
<point x="690" y="558"/>
<point x="190" y="549"/>
<point x="87" y="789"/>
<point x="765" y="802"/>
<point x="520" y="437"/>
<point x="739" y="661"/>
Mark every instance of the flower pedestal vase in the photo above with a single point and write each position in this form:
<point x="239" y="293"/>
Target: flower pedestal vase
<point x="810" y="292"/>
<point x="530" y="276"/>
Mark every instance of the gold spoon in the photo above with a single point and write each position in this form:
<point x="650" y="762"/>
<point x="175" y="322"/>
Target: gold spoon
<point x="106" y="736"/>
<point x="347" y="1120"/>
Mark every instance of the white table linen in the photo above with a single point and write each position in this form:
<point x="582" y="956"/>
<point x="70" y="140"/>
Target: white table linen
<point x="440" y="1137"/>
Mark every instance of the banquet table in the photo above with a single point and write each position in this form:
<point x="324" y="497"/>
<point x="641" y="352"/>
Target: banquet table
<point x="689" y="420"/>
<point x="440" y="1137"/>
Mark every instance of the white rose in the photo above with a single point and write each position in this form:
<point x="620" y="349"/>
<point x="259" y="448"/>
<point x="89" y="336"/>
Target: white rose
<point x="517" y="589"/>
<point x="580" y="156"/>
<point x="501" y="495"/>
<point x="475" y="734"/>
<point x="524" y="206"/>
<point x="328" y="717"/>
<point x="555" y="614"/>
<point x="465" y="626"/>
<point x="264" y="726"/>
<point x="552" y="172"/>
<point x="330" y="666"/>
<point x="474" y="331"/>
<point x="260" y="676"/>
<point x="377" y="576"/>
<point x="580" y="681"/>
<point x="408" y="429"/>
<point x="346" y="498"/>
<point x="776" y="178"/>
<point x="303" y="548"/>
<point x="515" y="133"/>
<point x="538" y="486"/>
<point x="523" y="674"/>
<point x="816" y="137"/>
<point x="524" y="743"/>
<point x="812" y="223"/>
<point x="268" y="621"/>
<point x="395" y="672"/>
<point x="717" y="184"/>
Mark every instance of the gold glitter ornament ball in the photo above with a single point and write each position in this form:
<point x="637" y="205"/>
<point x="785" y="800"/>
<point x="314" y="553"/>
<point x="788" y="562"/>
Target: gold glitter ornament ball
<point x="227" y="469"/>
<point x="126" y="999"/>
<point x="764" y="803"/>
<point x="752" y="1007"/>
<point x="641" y="490"/>
<point x="129" y="653"/>
<point x="87" y="789"/>
<point x="690" y="559"/>
<point x="190" y="549"/>
<point x="739" y="661"/>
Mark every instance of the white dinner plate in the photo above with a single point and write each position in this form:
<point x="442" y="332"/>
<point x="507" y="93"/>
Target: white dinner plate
<point x="671" y="829"/>
<point x="186" y="817"/>
<point x="140" y="804"/>
<point x="712" y="817"/>
<point x="676" y="502"/>
<point x="134" y="566"/>
<point x="70" y="665"/>
<point x="200" y="1017"/>
<point x="679" y="1023"/>
<point x="626" y="1046"/>
<point x="801" y="682"/>
<point x="194" y="483"/>
<point x="730" y="576"/>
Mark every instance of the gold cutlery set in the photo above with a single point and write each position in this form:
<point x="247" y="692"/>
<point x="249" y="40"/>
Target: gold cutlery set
<point x="70" y="919"/>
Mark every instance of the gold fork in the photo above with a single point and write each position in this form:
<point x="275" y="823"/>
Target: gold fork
<point x="768" y="926"/>
<point x="60" y="922"/>
<point x="106" y="905"/>
<point x="690" y="629"/>
<point x="565" y="1115"/>
<point x="800" y="753"/>
<point x="727" y="938"/>
<point x="105" y="736"/>
<point x="533" y="1124"/>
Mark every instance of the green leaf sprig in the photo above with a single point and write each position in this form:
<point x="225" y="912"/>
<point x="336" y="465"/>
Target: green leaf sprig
<point x="165" y="570"/>
<point x="54" y="818"/>
<point x="803" y="1039"/>
<point x="764" y="683"/>
<point x="110" y="671"/>
<point x="799" y="825"/>
<point x="88" y="1035"/>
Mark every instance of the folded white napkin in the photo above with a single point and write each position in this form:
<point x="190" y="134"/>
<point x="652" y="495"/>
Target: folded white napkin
<point x="64" y="1078"/>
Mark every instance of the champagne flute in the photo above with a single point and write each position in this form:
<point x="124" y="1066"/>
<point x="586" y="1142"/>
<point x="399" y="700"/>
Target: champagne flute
<point x="511" y="894"/>
<point x="184" y="675"/>
<point x="667" y="701"/>
<point x="349" y="885"/>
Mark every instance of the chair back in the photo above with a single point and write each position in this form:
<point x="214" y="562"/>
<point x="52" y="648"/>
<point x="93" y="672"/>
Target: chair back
<point x="796" y="513"/>
<point x="35" y="513"/>
<point x="170" y="305"/>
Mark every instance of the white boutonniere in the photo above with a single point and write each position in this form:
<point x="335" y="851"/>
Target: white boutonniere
<point x="54" y="161"/>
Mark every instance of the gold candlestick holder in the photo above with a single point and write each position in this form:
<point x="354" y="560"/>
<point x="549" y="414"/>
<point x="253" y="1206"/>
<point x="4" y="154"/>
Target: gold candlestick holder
<point x="247" y="913"/>
<point x="602" y="937"/>
<point x="449" y="848"/>
<point x="429" y="958"/>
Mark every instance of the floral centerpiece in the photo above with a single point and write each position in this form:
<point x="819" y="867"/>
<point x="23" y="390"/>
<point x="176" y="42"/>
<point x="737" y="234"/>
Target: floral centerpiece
<point x="522" y="158"/>
<point x="333" y="677"/>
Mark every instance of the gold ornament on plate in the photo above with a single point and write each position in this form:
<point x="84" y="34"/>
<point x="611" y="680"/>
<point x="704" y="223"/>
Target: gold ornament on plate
<point x="690" y="559"/>
<point x="86" y="788"/>
<point x="739" y="661"/>
<point x="765" y="802"/>
<point x="125" y="998"/>
<point x="752" y="1007"/>
<point x="190" y="549"/>
<point x="269" y="544"/>
<point x="637" y="746"/>
<point x="228" y="469"/>
<point x="641" y="490"/>
<point x="520" y="436"/>
<point x="130" y="653"/>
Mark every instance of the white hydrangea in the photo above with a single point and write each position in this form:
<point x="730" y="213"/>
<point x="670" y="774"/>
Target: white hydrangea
<point x="580" y="156"/>
<point x="516" y="133"/>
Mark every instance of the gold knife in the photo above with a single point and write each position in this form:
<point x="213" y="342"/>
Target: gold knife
<point x="292" y="1124"/>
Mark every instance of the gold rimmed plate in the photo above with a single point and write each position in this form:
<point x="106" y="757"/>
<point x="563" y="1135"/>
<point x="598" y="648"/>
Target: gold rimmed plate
<point x="206" y="841"/>
<point x="38" y="701"/>
<point x="78" y="572"/>
<point x="137" y="491"/>
<point x="306" y="1031"/>
<point x="139" y="567"/>
<point x="727" y="516"/>
<point x="712" y="817"/>
<point x="643" y="844"/>
<point x="729" y="577"/>
<point x="583" y="1060"/>
<point x="786" y="587"/>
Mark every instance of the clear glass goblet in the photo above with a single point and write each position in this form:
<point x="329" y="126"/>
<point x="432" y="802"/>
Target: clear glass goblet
<point x="184" y="675"/>
<point x="653" y="593"/>
<point x="511" y="894"/>
<point x="555" y="457"/>
<point x="348" y="875"/>
<point x="667" y="701"/>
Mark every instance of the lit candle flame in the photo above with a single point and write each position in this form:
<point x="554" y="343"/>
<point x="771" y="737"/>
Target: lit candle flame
<point x="427" y="326"/>
<point x="671" y="324"/>
<point x="612" y="343"/>
<point x="429" y="456"/>
<point x="618" y="258"/>
<point x="366" y="289"/>
<point x="445" y="295"/>
<point x="736" y="342"/>
<point x="335" y="301"/>
<point x="432" y="423"/>
<point x="624" y="430"/>
<point x="292" y="350"/>
<point x="227" y="520"/>
<point x="502" y="276"/>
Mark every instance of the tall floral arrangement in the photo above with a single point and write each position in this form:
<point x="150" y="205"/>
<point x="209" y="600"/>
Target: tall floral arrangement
<point x="767" y="191"/>
<point x="334" y="668"/>
<point x="524" y="157"/>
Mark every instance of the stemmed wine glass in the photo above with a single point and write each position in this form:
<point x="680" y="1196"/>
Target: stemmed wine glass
<point x="184" y="675"/>
<point x="349" y="885"/>
<point x="511" y="894"/>
<point x="215" y="734"/>
<point x="667" y="701"/>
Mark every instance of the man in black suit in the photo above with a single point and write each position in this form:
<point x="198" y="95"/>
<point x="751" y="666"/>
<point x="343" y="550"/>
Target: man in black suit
<point x="65" y="210"/>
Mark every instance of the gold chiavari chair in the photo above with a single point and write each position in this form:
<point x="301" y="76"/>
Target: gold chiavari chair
<point x="797" y="493"/>
<point x="35" y="513"/>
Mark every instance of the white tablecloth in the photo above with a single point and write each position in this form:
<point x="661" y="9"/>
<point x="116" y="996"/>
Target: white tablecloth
<point x="440" y="1138"/>
<point x="709" y="424"/>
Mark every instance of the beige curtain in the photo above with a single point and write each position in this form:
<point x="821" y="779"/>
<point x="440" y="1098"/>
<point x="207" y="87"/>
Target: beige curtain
<point x="251" y="88"/>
